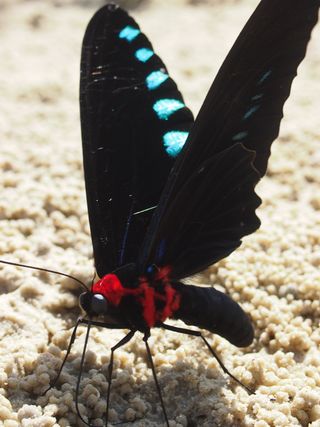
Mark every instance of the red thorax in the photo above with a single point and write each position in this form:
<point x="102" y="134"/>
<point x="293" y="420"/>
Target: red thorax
<point x="113" y="290"/>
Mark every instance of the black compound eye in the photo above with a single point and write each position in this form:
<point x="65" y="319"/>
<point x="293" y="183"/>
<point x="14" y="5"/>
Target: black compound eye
<point x="99" y="304"/>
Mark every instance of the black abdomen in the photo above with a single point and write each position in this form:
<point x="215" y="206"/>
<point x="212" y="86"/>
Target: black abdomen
<point x="214" y="311"/>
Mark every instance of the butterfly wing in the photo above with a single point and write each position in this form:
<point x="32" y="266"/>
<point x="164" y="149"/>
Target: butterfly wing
<point x="134" y="123"/>
<point x="209" y="203"/>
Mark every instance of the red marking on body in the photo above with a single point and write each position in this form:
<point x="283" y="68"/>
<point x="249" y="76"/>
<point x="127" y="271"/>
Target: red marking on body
<point x="163" y="274"/>
<point x="148" y="302"/>
<point x="113" y="290"/>
<point x="172" y="303"/>
<point x="110" y="287"/>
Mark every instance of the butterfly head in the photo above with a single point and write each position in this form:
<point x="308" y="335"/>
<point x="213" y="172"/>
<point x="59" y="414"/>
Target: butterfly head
<point x="104" y="295"/>
<point x="94" y="304"/>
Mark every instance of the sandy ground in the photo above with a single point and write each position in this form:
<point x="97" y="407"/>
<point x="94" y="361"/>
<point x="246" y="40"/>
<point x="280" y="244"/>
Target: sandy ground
<point x="275" y="274"/>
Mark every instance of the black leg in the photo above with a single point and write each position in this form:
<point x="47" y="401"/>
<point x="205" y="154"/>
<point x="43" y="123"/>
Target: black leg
<point x="105" y="324"/>
<point x="89" y="323"/>
<point x="122" y="342"/>
<point x="72" y="339"/>
<point x="198" y="334"/>
<point x="80" y="374"/>
<point x="145" y="339"/>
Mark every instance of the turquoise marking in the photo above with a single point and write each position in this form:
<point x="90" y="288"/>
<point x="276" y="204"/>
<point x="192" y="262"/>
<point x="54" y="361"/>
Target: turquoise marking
<point x="143" y="54"/>
<point x="239" y="136"/>
<point x="155" y="79"/>
<point x="251" y="111"/>
<point x="256" y="97"/>
<point x="166" y="107"/>
<point x="129" y="33"/>
<point x="264" y="77"/>
<point x="174" y="141"/>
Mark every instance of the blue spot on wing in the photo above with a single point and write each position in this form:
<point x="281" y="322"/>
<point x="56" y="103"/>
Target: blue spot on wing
<point x="251" y="111"/>
<point x="257" y="97"/>
<point x="264" y="77"/>
<point x="239" y="136"/>
<point x="155" y="79"/>
<point x="174" y="141"/>
<point x="166" y="107"/>
<point x="129" y="33"/>
<point x="143" y="54"/>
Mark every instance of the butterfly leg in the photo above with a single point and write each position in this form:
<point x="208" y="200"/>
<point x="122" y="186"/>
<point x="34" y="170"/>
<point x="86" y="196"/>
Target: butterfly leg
<point x="80" y="372"/>
<point x="122" y="342"/>
<point x="72" y="339"/>
<point x="145" y="339"/>
<point x="89" y="323"/>
<point x="214" y="354"/>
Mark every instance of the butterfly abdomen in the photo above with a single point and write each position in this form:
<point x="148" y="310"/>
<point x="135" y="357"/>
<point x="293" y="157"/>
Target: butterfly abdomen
<point x="214" y="311"/>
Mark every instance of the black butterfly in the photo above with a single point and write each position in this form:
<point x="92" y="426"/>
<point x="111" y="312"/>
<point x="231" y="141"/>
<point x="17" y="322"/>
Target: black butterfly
<point x="168" y="196"/>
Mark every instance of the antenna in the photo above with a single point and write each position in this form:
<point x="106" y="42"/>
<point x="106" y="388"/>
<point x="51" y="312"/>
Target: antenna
<point x="46" y="270"/>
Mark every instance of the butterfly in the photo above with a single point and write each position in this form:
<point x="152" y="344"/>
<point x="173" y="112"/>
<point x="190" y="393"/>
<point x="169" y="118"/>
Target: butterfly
<point x="169" y="195"/>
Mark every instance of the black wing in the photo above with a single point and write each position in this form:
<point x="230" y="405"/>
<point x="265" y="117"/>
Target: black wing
<point x="209" y="203"/>
<point x="134" y="123"/>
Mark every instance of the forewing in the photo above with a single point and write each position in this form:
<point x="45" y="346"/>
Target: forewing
<point x="134" y="123"/>
<point x="244" y="105"/>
